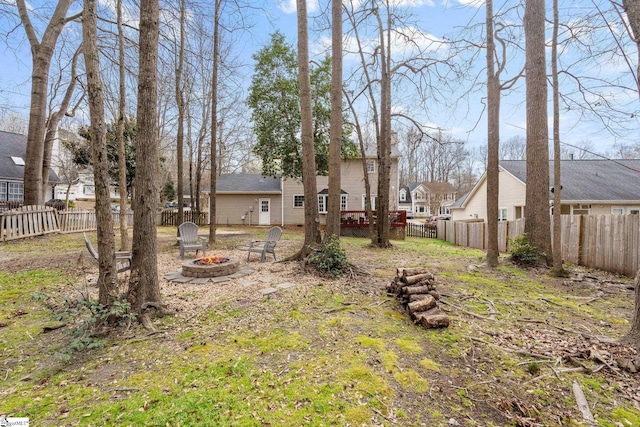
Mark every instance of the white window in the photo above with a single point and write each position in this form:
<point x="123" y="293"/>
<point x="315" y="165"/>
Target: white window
<point x="502" y="214"/>
<point x="298" y="201"/>
<point x="15" y="191"/>
<point x="403" y="196"/>
<point x="3" y="191"/>
<point x="419" y="195"/>
<point x="580" y="209"/>
<point x="88" y="189"/>
<point x="373" y="201"/>
<point x="371" y="166"/>
<point x="323" y="202"/>
<point x="634" y="211"/>
<point x="617" y="211"/>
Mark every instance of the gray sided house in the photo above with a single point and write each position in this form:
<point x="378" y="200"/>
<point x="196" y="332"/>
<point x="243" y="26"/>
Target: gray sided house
<point x="588" y="187"/>
<point x="252" y="199"/>
<point x="13" y="148"/>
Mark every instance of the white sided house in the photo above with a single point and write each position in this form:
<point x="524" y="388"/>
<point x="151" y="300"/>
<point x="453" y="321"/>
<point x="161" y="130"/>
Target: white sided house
<point x="589" y="187"/>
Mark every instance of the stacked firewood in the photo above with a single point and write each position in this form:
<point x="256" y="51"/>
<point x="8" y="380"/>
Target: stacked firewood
<point x="416" y="289"/>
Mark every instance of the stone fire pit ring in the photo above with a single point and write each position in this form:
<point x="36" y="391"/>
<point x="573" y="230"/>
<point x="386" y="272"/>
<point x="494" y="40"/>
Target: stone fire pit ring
<point x="192" y="269"/>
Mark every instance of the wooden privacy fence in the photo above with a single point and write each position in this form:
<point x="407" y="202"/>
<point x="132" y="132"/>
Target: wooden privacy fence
<point x="169" y="217"/>
<point x="28" y="221"/>
<point x="606" y="242"/>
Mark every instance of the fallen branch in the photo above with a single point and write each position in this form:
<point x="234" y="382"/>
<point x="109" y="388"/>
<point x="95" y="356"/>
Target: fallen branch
<point x="466" y="311"/>
<point x="555" y="373"/>
<point x="509" y="350"/>
<point x="583" y="405"/>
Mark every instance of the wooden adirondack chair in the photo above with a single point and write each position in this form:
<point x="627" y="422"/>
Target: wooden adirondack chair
<point x="123" y="259"/>
<point x="267" y="246"/>
<point x="189" y="239"/>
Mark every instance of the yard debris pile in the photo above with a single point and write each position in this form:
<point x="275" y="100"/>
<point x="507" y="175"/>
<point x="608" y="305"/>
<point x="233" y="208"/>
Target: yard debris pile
<point x="416" y="289"/>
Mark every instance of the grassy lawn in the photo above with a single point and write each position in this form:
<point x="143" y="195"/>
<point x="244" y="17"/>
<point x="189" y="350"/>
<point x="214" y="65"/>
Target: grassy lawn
<point x="326" y="352"/>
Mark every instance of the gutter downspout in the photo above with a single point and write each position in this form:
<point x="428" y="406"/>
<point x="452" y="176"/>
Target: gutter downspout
<point x="281" y="201"/>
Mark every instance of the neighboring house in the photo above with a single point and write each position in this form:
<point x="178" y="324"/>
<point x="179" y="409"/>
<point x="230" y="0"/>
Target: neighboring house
<point x="426" y="198"/>
<point x="412" y="198"/>
<point x="588" y="187"/>
<point x="77" y="181"/>
<point x="13" y="148"/>
<point x="440" y="197"/>
<point x="254" y="199"/>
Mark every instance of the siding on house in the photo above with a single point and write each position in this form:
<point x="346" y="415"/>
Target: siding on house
<point x="236" y="192"/>
<point x="592" y="186"/>
<point x="352" y="183"/>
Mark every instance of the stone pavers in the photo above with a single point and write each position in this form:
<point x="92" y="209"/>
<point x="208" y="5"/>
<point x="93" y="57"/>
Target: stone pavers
<point x="266" y="282"/>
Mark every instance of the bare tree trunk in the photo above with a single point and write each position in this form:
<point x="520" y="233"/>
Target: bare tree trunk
<point x="384" y="142"/>
<point x="632" y="9"/>
<point x="107" y="274"/>
<point x="376" y="120"/>
<point x="334" y="198"/>
<point x="311" y="217"/>
<point x="557" y="182"/>
<point x="537" y="223"/>
<point x="42" y="52"/>
<point x="493" y="142"/>
<point x="144" y="288"/>
<point x="214" y="123"/>
<point x="633" y="336"/>
<point x="122" y="161"/>
<point x="365" y="172"/>
<point x="54" y="120"/>
<point x="181" y="117"/>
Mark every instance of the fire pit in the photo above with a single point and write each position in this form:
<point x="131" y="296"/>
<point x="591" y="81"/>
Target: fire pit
<point x="211" y="266"/>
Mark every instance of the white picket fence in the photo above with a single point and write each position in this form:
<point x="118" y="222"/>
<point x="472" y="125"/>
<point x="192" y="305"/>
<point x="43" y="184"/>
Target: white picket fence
<point x="30" y="221"/>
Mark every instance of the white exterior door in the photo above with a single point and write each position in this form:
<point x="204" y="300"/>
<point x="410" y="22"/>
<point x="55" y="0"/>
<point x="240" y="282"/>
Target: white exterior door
<point x="264" y="206"/>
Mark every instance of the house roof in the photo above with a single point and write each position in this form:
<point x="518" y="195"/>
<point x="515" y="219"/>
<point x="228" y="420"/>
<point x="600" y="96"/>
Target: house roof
<point x="460" y="202"/>
<point x="590" y="180"/>
<point x="15" y="145"/>
<point x="243" y="183"/>
<point x="409" y="189"/>
<point x="595" y="180"/>
<point x="438" y="187"/>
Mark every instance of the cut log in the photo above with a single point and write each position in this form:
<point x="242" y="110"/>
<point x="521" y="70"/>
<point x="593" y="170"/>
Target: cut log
<point x="422" y="304"/>
<point x="394" y="285"/>
<point x="431" y="312"/>
<point x="410" y="280"/>
<point x="417" y="297"/>
<point x="410" y="271"/>
<point x="433" y="321"/>
<point x="420" y="289"/>
<point x="420" y="283"/>
<point x="435" y="294"/>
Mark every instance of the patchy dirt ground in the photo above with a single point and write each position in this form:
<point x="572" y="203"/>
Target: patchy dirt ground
<point x="517" y="343"/>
